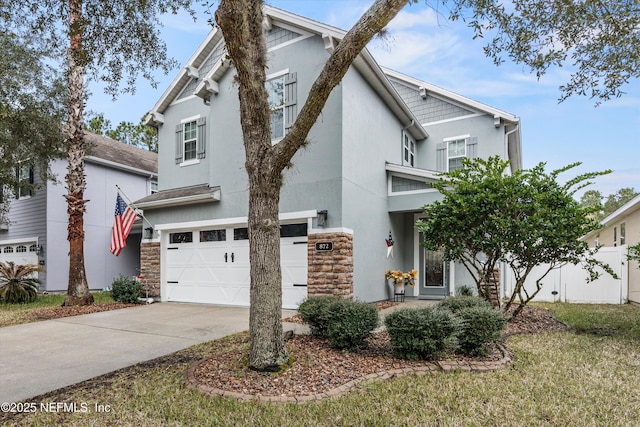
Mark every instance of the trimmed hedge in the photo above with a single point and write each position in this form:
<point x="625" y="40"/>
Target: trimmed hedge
<point x="481" y="326"/>
<point x="424" y="333"/>
<point x="457" y="303"/>
<point x="126" y="290"/>
<point x="350" y="323"/>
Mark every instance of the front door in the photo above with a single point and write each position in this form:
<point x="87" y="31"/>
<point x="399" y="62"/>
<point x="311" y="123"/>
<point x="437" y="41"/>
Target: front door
<point x="434" y="274"/>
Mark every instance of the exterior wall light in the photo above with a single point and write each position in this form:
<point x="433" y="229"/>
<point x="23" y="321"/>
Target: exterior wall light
<point x="322" y="218"/>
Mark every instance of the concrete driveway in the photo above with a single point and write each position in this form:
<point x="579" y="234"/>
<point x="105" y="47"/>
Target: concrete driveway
<point x="39" y="357"/>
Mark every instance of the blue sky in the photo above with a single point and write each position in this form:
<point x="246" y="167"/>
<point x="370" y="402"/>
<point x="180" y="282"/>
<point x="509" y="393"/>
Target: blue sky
<point x="424" y="44"/>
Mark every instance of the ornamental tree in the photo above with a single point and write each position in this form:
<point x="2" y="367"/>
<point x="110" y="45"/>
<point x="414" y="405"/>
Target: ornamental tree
<point x="524" y="219"/>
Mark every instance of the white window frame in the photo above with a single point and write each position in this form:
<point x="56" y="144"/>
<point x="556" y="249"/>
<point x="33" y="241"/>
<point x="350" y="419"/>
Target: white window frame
<point x="280" y="75"/>
<point x="21" y="168"/>
<point x="623" y="233"/>
<point x="184" y="123"/>
<point x="408" y="151"/>
<point x="460" y="138"/>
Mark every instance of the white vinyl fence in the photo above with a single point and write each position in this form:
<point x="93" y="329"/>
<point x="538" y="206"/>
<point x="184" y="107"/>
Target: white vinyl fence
<point x="569" y="283"/>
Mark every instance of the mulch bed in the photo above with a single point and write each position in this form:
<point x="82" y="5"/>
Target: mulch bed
<point x="318" y="368"/>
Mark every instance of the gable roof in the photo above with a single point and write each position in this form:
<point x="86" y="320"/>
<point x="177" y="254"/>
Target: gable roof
<point x="364" y="63"/>
<point x="116" y="154"/>
<point x="450" y="96"/>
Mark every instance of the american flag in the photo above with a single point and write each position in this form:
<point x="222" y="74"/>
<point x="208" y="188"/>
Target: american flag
<point x="124" y="219"/>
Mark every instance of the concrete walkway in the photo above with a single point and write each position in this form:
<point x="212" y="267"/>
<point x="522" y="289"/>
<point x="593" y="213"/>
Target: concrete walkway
<point x="39" y="357"/>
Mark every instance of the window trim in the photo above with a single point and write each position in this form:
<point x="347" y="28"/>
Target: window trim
<point x="282" y="74"/>
<point x="183" y="123"/>
<point x="623" y="233"/>
<point x="408" y="150"/>
<point x="30" y="179"/>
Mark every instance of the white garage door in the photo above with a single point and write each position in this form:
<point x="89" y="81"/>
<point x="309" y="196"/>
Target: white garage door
<point x="19" y="252"/>
<point x="212" y="266"/>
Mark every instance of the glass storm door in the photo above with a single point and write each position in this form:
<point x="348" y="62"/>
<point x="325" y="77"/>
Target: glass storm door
<point x="434" y="274"/>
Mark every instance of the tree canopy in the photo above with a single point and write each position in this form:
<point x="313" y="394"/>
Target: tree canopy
<point x="32" y="98"/>
<point x="593" y="199"/>
<point x="139" y="135"/>
<point x="524" y="219"/>
<point x="598" y="41"/>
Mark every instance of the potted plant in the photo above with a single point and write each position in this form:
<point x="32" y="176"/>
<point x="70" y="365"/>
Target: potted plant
<point x="401" y="279"/>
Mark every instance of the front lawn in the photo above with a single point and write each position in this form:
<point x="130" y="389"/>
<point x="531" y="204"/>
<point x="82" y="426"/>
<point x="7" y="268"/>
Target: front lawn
<point x="578" y="378"/>
<point x="15" y="314"/>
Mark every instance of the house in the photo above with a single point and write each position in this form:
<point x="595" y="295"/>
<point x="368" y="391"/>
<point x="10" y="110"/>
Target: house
<point x="37" y="228"/>
<point x="622" y="229"/>
<point x="374" y="152"/>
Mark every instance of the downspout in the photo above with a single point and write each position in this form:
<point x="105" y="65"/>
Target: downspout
<point x="503" y="270"/>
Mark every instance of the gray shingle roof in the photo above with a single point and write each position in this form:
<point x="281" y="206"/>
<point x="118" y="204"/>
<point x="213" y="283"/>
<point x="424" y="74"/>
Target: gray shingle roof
<point x="121" y="153"/>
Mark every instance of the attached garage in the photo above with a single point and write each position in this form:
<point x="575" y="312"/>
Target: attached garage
<point x="211" y="265"/>
<point x="19" y="251"/>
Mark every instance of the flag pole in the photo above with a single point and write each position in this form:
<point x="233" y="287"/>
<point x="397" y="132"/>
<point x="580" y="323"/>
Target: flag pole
<point x="130" y="203"/>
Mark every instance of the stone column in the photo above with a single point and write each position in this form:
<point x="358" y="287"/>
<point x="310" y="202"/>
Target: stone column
<point x="330" y="270"/>
<point x="150" y="268"/>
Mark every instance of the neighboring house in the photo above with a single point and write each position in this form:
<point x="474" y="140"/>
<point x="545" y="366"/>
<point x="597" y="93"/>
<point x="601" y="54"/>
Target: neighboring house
<point x="622" y="229"/>
<point x="37" y="228"/>
<point x="376" y="148"/>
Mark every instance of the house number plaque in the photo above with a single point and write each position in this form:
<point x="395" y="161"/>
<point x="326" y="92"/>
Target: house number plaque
<point x="324" y="246"/>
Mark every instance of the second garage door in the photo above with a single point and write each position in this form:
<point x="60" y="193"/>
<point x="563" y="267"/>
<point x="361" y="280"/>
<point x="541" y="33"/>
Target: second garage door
<point x="212" y="266"/>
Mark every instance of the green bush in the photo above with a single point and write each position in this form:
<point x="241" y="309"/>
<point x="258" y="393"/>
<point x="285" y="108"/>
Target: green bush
<point x="126" y="290"/>
<point x="423" y="333"/>
<point x="315" y="311"/>
<point x="465" y="291"/>
<point x="17" y="282"/>
<point x="350" y="323"/>
<point x="480" y="327"/>
<point x="458" y="303"/>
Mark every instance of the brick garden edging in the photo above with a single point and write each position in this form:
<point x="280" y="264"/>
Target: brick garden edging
<point x="430" y="368"/>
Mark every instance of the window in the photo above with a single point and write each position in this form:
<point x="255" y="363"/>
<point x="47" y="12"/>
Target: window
<point x="293" y="230"/>
<point x="241" y="233"/>
<point x="615" y="236"/>
<point x="409" y="151"/>
<point x="8" y="250"/>
<point x="213" y="235"/>
<point x="186" y="237"/>
<point x="24" y="176"/>
<point x="275" y="89"/>
<point x="190" y="140"/>
<point x="154" y="187"/>
<point x="21" y="249"/>
<point x="33" y="248"/>
<point x="623" y="233"/>
<point x="596" y="241"/>
<point x="456" y="152"/>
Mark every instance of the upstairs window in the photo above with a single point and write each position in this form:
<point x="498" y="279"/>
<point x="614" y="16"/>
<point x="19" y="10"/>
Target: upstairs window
<point x="190" y="140"/>
<point x="456" y="152"/>
<point x="452" y="151"/>
<point x="24" y="176"/>
<point x="409" y="151"/>
<point x="275" y="90"/>
<point x="623" y="233"/>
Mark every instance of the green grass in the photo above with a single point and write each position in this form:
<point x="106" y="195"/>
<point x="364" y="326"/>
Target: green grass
<point x="557" y="379"/>
<point x="15" y="314"/>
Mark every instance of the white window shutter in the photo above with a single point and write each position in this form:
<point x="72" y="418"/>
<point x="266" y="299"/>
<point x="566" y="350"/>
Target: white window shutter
<point x="441" y="157"/>
<point x="472" y="147"/>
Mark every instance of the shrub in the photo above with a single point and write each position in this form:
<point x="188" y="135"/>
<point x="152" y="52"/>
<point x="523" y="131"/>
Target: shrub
<point x="315" y="311"/>
<point x="17" y="284"/>
<point x="465" y="291"/>
<point x="480" y="327"/>
<point x="423" y="333"/>
<point x="126" y="290"/>
<point x="350" y="323"/>
<point x="457" y="303"/>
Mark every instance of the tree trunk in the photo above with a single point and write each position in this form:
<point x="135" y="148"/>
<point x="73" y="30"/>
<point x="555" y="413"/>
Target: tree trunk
<point x="78" y="288"/>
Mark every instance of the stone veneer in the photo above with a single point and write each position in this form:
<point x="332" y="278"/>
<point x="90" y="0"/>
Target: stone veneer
<point x="330" y="272"/>
<point x="150" y="268"/>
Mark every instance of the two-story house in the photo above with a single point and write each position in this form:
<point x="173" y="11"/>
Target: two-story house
<point x="374" y="151"/>
<point x="37" y="228"/>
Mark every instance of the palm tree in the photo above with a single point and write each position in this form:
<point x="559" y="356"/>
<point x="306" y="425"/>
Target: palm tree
<point x="18" y="285"/>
